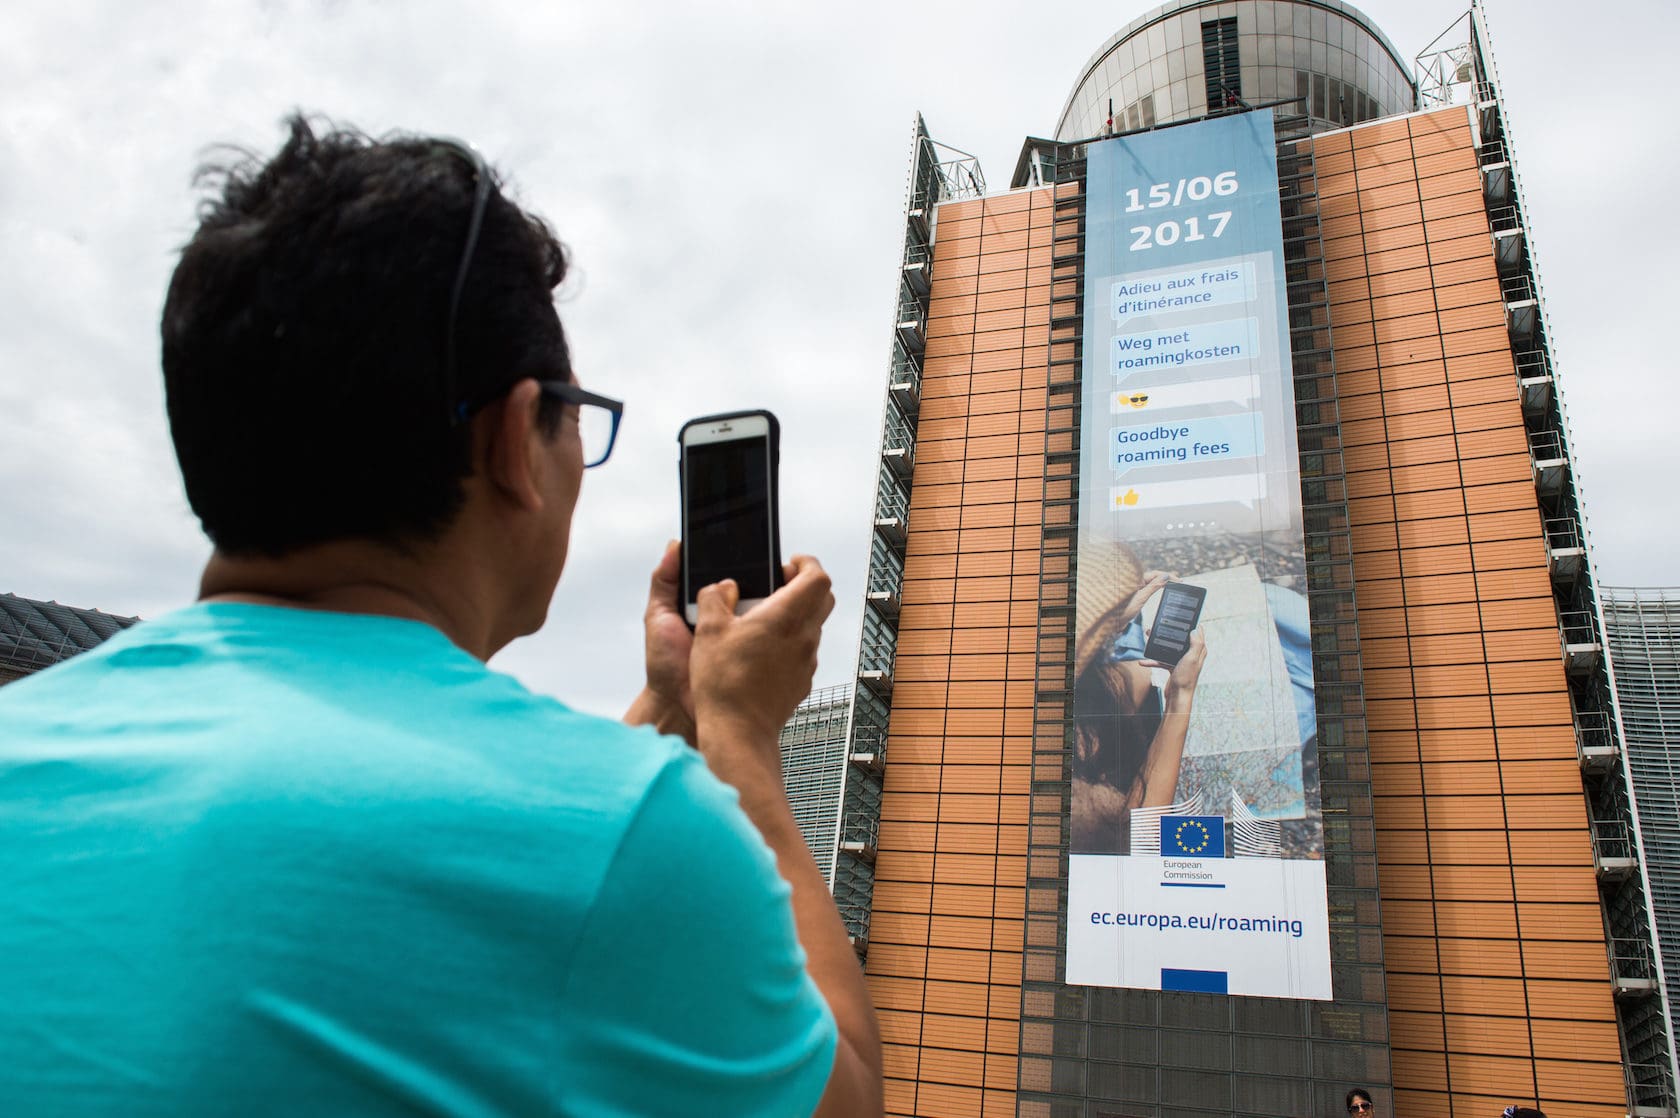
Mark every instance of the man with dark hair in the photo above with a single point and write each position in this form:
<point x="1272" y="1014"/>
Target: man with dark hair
<point x="296" y="846"/>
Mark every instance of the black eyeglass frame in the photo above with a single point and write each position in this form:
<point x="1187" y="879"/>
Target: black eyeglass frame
<point x="582" y="397"/>
<point x="482" y="185"/>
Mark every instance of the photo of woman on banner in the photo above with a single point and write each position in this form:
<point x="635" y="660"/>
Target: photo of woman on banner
<point x="1133" y="714"/>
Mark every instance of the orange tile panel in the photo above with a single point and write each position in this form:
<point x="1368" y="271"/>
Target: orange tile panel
<point x="1489" y="339"/>
<point x="1488" y="958"/>
<point x="1419" y="425"/>
<point x="1420" y="993"/>
<point x="1508" y="497"/>
<point x="1408" y="214"/>
<point x="1406" y="350"/>
<point x="1412" y="452"/>
<point x="1459" y="847"/>
<point x="1393" y="254"/>
<point x="1517" y="468"/>
<point x="1553" y="959"/>
<point x="1425" y="477"/>
<point x="1585" y="1040"/>
<point x="1350" y="246"/>
<point x="904" y="865"/>
<point x="1401" y="282"/>
<point x="1382" y="240"/>
<point x="1475" y="268"/>
<point x="1453" y="205"/>
<point x="1373" y="537"/>
<point x="1355" y="335"/>
<point x="1476" y="883"/>
<point x="1452" y="182"/>
<point x="1451" y="119"/>
<point x="1327" y="162"/>
<point x="1483" y="291"/>
<point x="1543" y="920"/>
<point x="1447" y="250"/>
<point x="1488" y="1075"/>
<point x="1571" y="1000"/>
<point x="1397" y="150"/>
<point x="1376" y="199"/>
<point x="1458" y="744"/>
<point x="1430" y="505"/>
<point x="1581" y="1080"/>
<point x="1007" y="278"/>
<point x="1472" y="223"/>
<point x="1535" y="743"/>
<point x="1402" y="304"/>
<point x="951" y="267"/>
<point x="1504" y="526"/>
<point x="1469" y="812"/>
<point x="1385" y="175"/>
<point x="1476" y="316"/>
<point x="1465" y="994"/>
<point x="1430" y="650"/>
<point x="1379" y="132"/>
<point x="1353" y="359"/>
<point x="898" y="927"/>
<point x="1350" y="313"/>
<point x="1439" y="589"/>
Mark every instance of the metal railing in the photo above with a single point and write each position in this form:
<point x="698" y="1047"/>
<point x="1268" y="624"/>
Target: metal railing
<point x="1545" y="446"/>
<point x="1578" y="627"/>
<point x="1533" y="363"/>
<point x="898" y="435"/>
<point x="1592" y="730"/>
<point x="1504" y="219"/>
<point x="890" y="505"/>
<point x="1517" y="289"/>
<point x="859" y="829"/>
<point x="876" y="654"/>
<point x="1611" y="839"/>
<point x="1562" y="532"/>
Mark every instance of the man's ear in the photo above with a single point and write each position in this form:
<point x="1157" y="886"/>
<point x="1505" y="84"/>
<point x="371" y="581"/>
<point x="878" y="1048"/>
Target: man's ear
<point x="509" y="444"/>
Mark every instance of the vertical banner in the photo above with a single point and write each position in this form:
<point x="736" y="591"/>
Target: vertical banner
<point x="1197" y="857"/>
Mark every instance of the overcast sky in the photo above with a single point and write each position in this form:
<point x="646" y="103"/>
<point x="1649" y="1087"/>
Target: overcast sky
<point x="730" y="178"/>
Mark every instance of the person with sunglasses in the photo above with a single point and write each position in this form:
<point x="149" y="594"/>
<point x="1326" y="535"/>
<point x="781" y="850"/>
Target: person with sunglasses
<point x="296" y="848"/>
<point x="1359" y="1103"/>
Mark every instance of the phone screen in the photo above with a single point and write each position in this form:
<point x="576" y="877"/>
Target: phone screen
<point x="728" y="505"/>
<point x="1175" y="620"/>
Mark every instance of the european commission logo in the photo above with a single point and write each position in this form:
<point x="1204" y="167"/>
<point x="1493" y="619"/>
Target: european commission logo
<point x="1192" y="836"/>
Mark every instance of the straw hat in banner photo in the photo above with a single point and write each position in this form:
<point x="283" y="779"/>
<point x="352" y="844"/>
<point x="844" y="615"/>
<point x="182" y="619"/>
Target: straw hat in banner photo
<point x="1108" y="574"/>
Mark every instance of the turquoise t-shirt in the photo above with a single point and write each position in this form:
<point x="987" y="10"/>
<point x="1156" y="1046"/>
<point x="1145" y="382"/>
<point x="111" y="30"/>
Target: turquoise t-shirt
<point x="258" y="860"/>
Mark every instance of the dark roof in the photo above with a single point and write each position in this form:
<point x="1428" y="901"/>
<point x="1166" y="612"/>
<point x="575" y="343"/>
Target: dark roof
<point x="38" y="634"/>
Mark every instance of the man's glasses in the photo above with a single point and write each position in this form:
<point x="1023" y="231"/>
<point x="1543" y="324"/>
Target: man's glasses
<point x="598" y="416"/>
<point x="1356" y="1107"/>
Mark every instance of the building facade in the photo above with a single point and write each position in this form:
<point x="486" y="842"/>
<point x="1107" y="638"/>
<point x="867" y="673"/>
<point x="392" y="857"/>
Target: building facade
<point x="36" y="635"/>
<point x="1461" y="782"/>
<point x="1643" y="629"/>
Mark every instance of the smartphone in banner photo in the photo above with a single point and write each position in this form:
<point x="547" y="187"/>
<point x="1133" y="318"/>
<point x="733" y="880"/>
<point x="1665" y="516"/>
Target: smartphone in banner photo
<point x="730" y="527"/>
<point x="1175" y="620"/>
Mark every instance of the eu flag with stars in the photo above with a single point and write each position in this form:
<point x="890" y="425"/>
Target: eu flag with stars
<point x="1192" y="836"/>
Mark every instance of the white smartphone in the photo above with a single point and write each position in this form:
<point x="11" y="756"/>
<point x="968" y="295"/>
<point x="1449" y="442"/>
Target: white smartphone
<point x="730" y="529"/>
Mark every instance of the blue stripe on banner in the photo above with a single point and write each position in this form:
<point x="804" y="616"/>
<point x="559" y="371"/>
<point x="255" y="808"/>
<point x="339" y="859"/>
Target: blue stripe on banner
<point x="1190" y="885"/>
<point x="1193" y="981"/>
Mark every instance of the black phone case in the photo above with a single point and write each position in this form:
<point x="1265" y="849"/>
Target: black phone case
<point x="1172" y="653"/>
<point x="777" y="578"/>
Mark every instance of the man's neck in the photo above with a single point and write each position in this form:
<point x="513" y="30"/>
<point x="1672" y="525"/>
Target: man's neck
<point x="355" y="576"/>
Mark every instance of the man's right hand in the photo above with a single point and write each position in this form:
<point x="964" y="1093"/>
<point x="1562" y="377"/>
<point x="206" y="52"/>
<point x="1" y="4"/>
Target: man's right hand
<point x="751" y="671"/>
